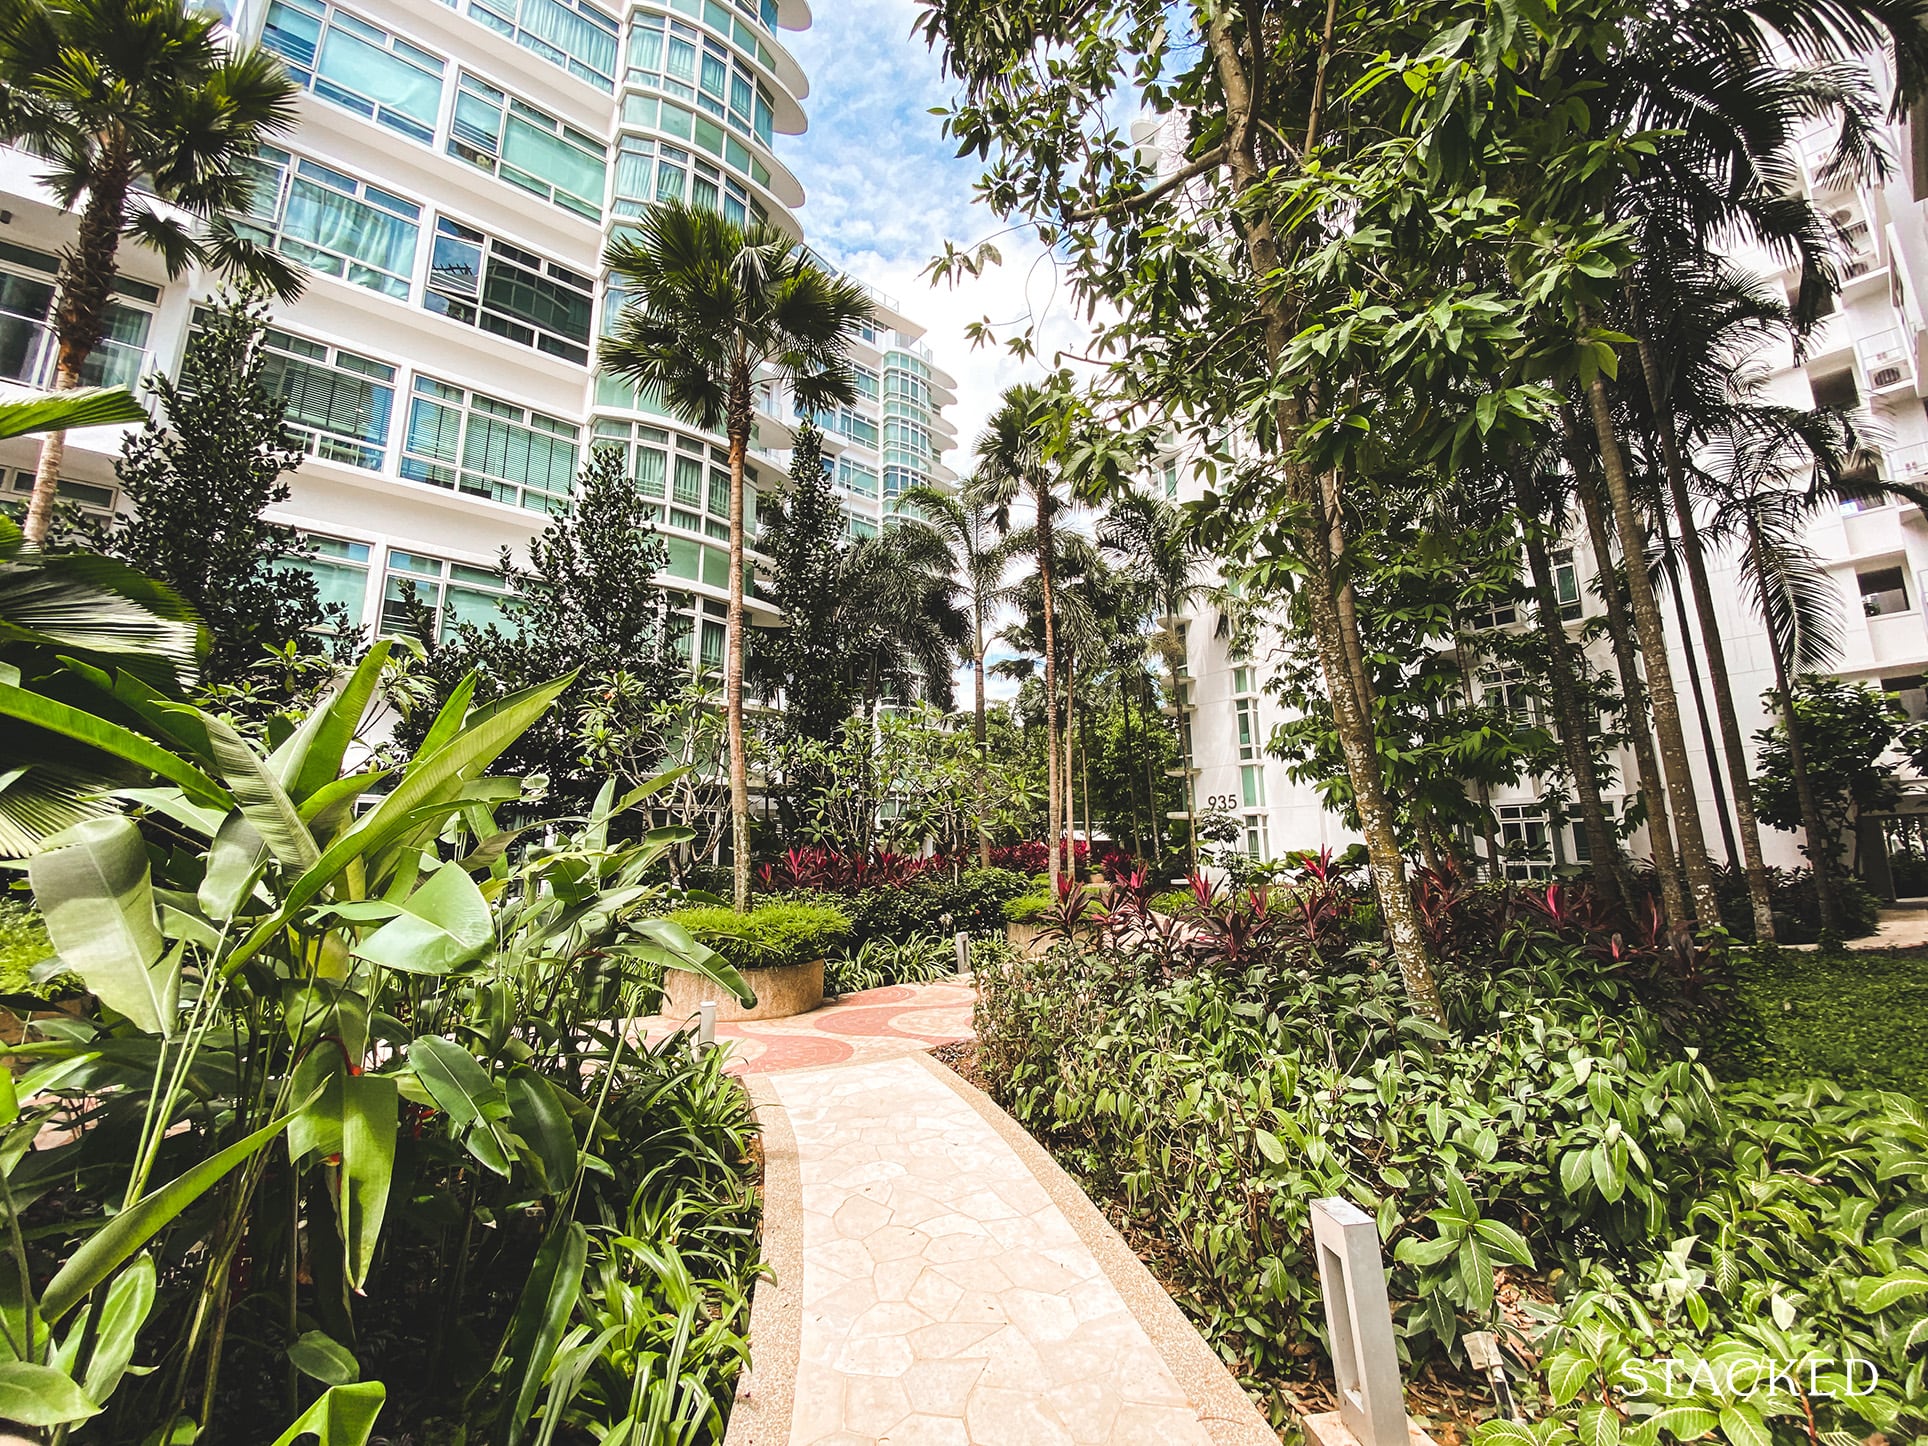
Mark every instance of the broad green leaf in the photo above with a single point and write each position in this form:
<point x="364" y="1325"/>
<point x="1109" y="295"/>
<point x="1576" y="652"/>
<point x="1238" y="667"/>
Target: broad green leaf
<point x="1567" y="1373"/>
<point x="448" y="721"/>
<point x="1270" y="1146"/>
<point x="369" y="1104"/>
<point x="1741" y="1424"/>
<point x="321" y="763"/>
<point x="92" y="885"/>
<point x="344" y="1416"/>
<point x="1506" y="1243"/>
<point x="463" y="1091"/>
<point x="69" y="411"/>
<point x="1598" y="1426"/>
<point x="1689" y="1423"/>
<point x="321" y="1357"/>
<point x="234" y="864"/>
<point x="129" y="1299"/>
<point x="103" y="1251"/>
<point x="262" y="798"/>
<point x="111" y="738"/>
<point x="542" y="1312"/>
<point x="1504" y="1433"/>
<point x="682" y="951"/>
<point x="443" y="925"/>
<point x="1878" y="1293"/>
<point x="33" y="1395"/>
<point x="541" y="1120"/>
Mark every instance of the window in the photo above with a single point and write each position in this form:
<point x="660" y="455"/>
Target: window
<point x="93" y="498"/>
<point x="699" y="133"/>
<point x="570" y="33"/>
<point x="452" y="592"/>
<point x="1883" y="591"/>
<point x="502" y="289"/>
<point x="856" y="527"/>
<point x="902" y="385"/>
<point x="1525" y="841"/>
<point x="528" y="148"/>
<point x="357" y="65"/>
<point x="488" y="448"/>
<point x="1499" y="615"/>
<point x="650" y="171"/>
<point x="1506" y="692"/>
<point x="337" y="403"/>
<point x="1171" y="480"/>
<point x="1566" y="583"/>
<point x="678" y="59"/>
<point x="1256" y="845"/>
<point x="899" y="480"/>
<point x="854" y="476"/>
<point x="646" y="450"/>
<point x="867" y="383"/>
<point x="332" y="223"/>
<point x="340" y="571"/>
<point x="27" y="349"/>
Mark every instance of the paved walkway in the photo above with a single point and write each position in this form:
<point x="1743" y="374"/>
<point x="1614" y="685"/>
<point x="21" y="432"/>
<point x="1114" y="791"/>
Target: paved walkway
<point x="936" y="1279"/>
<point x="876" y="1024"/>
<point x="1903" y="928"/>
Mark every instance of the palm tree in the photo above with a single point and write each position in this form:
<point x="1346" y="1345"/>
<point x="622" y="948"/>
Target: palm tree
<point x="899" y="617"/>
<point x="1014" y="461"/>
<point x="982" y="558"/>
<point x="717" y="307"/>
<point x="136" y="105"/>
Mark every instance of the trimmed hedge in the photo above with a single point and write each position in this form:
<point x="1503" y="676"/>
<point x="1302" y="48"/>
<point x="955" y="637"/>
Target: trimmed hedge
<point x="974" y="903"/>
<point x="771" y="935"/>
<point x="1026" y="908"/>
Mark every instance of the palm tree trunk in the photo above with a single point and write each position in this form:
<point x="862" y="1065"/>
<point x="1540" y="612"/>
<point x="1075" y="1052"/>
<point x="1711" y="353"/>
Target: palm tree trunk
<point x="1717" y="785"/>
<point x="1660" y="834"/>
<point x="1131" y="774"/>
<point x="1053" y="818"/>
<point x="739" y="423"/>
<point x="1660" y="677"/>
<point x="1070" y="773"/>
<point x="1722" y="683"/>
<point x="978" y="733"/>
<point x="80" y="317"/>
<point x="1820" y="845"/>
<point x="1388" y="865"/>
<point x="1151" y="778"/>
<point x="1609" y="866"/>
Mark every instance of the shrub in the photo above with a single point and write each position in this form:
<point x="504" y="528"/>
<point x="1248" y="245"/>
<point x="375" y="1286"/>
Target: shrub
<point x="1173" y="901"/>
<point x="23" y="944"/>
<point x="934" y="903"/>
<point x="916" y="960"/>
<point x="1797" y="910"/>
<point x="771" y="935"/>
<point x="1027" y="908"/>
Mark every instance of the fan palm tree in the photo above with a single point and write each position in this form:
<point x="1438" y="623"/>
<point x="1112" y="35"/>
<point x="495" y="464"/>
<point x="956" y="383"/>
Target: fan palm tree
<point x="1014" y="462"/>
<point x="715" y="308"/>
<point x="135" y="105"/>
<point x="900" y="617"/>
<point x="982" y="558"/>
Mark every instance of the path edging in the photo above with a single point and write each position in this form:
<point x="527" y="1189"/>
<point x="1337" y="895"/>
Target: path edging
<point x="1223" y="1408"/>
<point x="766" y="1391"/>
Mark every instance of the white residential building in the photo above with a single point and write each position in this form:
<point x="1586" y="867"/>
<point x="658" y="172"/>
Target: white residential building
<point x="456" y="172"/>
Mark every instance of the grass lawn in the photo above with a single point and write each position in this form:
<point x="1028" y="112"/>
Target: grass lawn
<point x="1857" y="1016"/>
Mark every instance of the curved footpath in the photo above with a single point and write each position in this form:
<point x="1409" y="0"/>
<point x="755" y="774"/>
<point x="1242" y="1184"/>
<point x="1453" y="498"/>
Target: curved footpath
<point x="936" y="1279"/>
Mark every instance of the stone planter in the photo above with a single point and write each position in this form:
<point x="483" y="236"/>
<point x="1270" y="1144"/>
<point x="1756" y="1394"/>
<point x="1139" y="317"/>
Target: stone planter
<point x="1025" y="937"/>
<point x="780" y="993"/>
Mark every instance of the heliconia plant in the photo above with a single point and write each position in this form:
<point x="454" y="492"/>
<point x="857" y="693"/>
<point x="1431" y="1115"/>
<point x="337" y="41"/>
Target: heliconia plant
<point x="290" y="952"/>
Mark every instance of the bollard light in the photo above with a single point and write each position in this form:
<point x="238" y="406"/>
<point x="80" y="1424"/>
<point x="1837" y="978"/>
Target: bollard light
<point x="963" y="943"/>
<point x="706" y="1024"/>
<point x="1365" y="1359"/>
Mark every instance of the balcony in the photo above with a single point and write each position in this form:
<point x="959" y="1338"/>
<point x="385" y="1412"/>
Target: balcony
<point x="1886" y="362"/>
<point x="1906" y="464"/>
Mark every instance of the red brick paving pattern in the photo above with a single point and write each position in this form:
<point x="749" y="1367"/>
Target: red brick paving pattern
<point x="876" y="1024"/>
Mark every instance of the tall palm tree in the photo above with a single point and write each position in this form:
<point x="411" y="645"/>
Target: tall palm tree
<point x="1015" y="462"/>
<point x="136" y="105"/>
<point x="899" y="615"/>
<point x="715" y="308"/>
<point x="982" y="559"/>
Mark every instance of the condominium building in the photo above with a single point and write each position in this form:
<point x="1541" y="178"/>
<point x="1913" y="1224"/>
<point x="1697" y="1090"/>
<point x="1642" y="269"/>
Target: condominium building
<point x="457" y="170"/>
<point x="1870" y="355"/>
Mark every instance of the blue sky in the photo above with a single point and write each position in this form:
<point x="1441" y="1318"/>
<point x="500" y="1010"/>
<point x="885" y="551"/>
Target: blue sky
<point x="884" y="191"/>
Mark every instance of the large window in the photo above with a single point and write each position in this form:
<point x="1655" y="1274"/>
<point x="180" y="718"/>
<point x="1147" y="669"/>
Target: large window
<point x="357" y="65"/>
<point x="92" y="498"/>
<point x="333" y="223"/>
<point x="340" y="571"/>
<point x="451" y="593"/>
<point x="488" y="448"/>
<point x="1883" y="591"/>
<point x="854" y="476"/>
<point x="482" y="282"/>
<point x="1525" y="840"/>
<point x="570" y="33"/>
<point x="528" y="148"/>
<point x="650" y="171"/>
<point x="702" y="134"/>
<point x="645" y="451"/>
<point x="27" y="348"/>
<point x="680" y="60"/>
<point x="337" y="402"/>
<point x="1566" y="583"/>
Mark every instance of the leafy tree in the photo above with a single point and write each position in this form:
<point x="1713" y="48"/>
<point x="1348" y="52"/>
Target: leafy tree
<point x="803" y="538"/>
<point x="1852" y="736"/>
<point x="717" y="308"/>
<point x="133" y="103"/>
<point x="200" y="479"/>
<point x="586" y="605"/>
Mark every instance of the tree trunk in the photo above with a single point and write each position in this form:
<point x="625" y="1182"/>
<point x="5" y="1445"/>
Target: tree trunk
<point x="1730" y="846"/>
<point x="1660" y="834"/>
<point x="1070" y="773"/>
<point x="1660" y="677"/>
<point x="1609" y="866"/>
<point x="1484" y="794"/>
<point x="87" y="272"/>
<point x="739" y="424"/>
<point x="978" y="732"/>
<point x="1732" y="744"/>
<point x="1820" y="847"/>
<point x="1151" y="778"/>
<point x="1053" y="818"/>
<point x="1388" y="865"/>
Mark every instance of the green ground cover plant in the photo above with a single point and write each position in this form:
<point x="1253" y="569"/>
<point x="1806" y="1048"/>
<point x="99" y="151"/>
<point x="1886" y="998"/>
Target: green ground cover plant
<point x="23" y="944"/>
<point x="1857" y="1017"/>
<point x="769" y="936"/>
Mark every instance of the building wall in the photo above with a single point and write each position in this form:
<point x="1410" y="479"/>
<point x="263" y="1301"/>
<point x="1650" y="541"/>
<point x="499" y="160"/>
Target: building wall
<point x="457" y="170"/>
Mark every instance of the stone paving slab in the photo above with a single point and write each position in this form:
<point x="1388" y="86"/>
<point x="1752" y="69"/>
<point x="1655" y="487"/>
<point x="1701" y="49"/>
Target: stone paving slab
<point x="886" y="1023"/>
<point x="938" y="1281"/>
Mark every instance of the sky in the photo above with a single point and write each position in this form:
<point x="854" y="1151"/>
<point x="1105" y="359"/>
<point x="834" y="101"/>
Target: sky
<point x="884" y="191"/>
